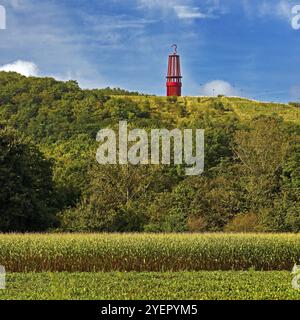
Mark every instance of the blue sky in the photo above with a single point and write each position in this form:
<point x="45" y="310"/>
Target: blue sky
<point x="236" y="47"/>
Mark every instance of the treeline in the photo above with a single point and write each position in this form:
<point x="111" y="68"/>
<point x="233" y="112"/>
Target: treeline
<point x="50" y="180"/>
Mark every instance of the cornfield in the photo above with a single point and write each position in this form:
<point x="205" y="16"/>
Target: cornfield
<point x="148" y="252"/>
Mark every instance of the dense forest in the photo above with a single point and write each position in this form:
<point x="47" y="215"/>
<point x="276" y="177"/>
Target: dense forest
<point x="50" y="180"/>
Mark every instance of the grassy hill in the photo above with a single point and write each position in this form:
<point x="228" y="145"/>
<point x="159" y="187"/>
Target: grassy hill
<point x="251" y="179"/>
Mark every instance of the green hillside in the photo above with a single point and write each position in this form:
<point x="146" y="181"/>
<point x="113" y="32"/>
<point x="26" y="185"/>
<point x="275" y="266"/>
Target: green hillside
<point x="244" y="108"/>
<point x="50" y="180"/>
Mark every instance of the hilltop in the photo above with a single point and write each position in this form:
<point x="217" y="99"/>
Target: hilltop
<point x="28" y="103"/>
<point x="244" y="108"/>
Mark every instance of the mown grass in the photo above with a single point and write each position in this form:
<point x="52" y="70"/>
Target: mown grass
<point x="225" y="285"/>
<point x="245" y="109"/>
<point x="148" y="252"/>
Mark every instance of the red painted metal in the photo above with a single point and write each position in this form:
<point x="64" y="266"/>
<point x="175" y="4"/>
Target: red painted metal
<point x="174" y="77"/>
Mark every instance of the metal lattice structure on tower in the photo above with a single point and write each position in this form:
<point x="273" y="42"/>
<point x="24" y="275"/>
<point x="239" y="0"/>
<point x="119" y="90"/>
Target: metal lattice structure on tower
<point x="174" y="77"/>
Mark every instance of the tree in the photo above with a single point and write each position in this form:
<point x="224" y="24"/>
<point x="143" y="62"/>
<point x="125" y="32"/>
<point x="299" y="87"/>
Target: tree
<point x="262" y="151"/>
<point x="291" y="186"/>
<point x="26" y="187"/>
<point x="124" y="109"/>
<point x="199" y="203"/>
<point x="116" y="198"/>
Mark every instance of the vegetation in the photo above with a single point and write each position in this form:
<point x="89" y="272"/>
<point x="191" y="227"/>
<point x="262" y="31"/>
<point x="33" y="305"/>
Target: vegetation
<point x="27" y="191"/>
<point x="148" y="252"/>
<point x="49" y="180"/>
<point x="252" y="159"/>
<point x="225" y="285"/>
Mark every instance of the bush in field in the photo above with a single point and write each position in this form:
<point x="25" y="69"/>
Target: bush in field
<point x="26" y="187"/>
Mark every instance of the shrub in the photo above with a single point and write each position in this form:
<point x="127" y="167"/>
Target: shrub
<point x="248" y="222"/>
<point x="196" y="224"/>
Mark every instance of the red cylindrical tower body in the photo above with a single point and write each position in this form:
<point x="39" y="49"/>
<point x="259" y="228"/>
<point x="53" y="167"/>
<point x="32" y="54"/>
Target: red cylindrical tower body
<point x="174" y="77"/>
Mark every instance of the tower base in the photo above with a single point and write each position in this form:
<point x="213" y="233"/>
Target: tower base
<point x="174" y="89"/>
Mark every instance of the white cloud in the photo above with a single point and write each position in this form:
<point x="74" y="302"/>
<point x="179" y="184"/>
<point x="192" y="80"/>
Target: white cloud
<point x="185" y="12"/>
<point x="281" y="9"/>
<point x="47" y="34"/>
<point x="183" y="9"/>
<point x="218" y="87"/>
<point x="284" y="9"/>
<point x="26" y="68"/>
<point x="160" y="4"/>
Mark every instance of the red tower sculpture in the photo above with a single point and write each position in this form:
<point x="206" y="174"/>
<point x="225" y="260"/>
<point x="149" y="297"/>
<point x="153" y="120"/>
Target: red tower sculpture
<point x="174" y="77"/>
